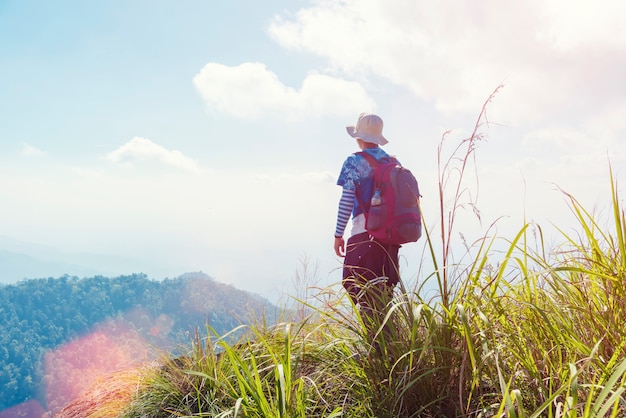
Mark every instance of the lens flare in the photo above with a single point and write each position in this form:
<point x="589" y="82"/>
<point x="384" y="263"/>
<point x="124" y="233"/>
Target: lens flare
<point x="74" y="367"/>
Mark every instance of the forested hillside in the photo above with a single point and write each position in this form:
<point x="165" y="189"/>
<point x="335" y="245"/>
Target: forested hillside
<point x="53" y="329"/>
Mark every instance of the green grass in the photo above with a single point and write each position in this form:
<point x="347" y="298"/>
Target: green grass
<point x="529" y="337"/>
<point x="527" y="332"/>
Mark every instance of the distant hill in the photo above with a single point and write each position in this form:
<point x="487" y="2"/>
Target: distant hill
<point x="59" y="334"/>
<point x="18" y="266"/>
<point x="24" y="260"/>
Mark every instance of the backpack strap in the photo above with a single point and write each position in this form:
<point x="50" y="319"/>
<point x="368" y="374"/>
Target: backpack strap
<point x="373" y="162"/>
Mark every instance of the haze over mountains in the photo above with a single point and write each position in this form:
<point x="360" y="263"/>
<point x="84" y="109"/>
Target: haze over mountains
<point x="24" y="260"/>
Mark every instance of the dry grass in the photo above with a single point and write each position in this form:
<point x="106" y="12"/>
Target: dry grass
<point x="108" y="397"/>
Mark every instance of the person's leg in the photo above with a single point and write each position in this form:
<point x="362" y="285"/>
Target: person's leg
<point x="370" y="274"/>
<point x="355" y="271"/>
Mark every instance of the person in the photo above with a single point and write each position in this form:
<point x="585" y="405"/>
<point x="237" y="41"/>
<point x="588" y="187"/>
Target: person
<point x="370" y="268"/>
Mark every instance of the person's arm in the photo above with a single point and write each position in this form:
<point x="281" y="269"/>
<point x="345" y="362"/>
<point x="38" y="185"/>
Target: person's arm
<point x="346" y="204"/>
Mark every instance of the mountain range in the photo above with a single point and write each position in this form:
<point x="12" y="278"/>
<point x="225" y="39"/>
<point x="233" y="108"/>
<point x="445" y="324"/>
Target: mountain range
<point x="24" y="260"/>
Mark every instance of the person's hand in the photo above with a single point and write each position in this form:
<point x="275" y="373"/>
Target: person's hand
<point x="340" y="248"/>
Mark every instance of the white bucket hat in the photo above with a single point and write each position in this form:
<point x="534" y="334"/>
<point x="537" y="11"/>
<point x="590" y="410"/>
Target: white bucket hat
<point x="369" y="128"/>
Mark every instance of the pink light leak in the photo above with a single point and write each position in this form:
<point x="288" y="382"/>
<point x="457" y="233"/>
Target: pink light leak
<point x="29" y="409"/>
<point x="74" y="367"/>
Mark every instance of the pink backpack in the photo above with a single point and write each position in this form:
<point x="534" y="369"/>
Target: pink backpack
<point x="394" y="214"/>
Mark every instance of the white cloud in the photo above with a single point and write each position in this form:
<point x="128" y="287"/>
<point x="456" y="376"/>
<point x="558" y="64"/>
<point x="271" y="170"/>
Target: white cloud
<point x="144" y="150"/>
<point x="30" y="151"/>
<point x="570" y="25"/>
<point x="251" y="91"/>
<point x="548" y="53"/>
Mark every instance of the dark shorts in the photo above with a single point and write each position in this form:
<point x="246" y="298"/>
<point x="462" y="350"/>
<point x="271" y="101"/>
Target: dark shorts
<point x="366" y="262"/>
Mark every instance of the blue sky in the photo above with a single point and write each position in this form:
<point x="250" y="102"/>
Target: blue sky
<point x="206" y="135"/>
